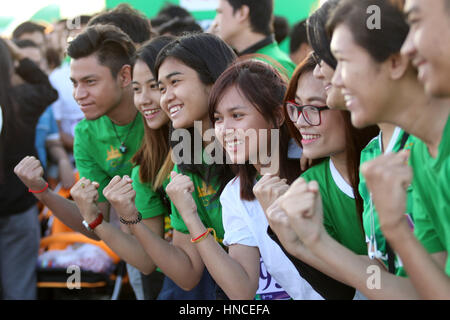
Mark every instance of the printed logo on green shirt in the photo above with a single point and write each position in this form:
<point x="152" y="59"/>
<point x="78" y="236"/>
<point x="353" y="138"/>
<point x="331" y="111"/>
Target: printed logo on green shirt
<point x="114" y="159"/>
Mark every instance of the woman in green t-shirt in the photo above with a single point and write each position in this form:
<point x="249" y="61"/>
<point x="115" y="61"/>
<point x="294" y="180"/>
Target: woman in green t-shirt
<point x="186" y="70"/>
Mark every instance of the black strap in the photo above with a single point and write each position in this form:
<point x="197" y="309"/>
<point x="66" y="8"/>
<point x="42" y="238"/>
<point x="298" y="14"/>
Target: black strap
<point x="259" y="45"/>
<point x="390" y="252"/>
<point x="403" y="141"/>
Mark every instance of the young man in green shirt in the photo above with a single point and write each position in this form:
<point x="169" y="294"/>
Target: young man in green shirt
<point x="246" y="25"/>
<point x="112" y="131"/>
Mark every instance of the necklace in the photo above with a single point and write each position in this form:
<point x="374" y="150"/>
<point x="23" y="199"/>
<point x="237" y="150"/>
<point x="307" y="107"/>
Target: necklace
<point x="123" y="148"/>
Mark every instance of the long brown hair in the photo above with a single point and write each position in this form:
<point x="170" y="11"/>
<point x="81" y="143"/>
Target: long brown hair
<point x="355" y="139"/>
<point x="153" y="157"/>
<point x="263" y="86"/>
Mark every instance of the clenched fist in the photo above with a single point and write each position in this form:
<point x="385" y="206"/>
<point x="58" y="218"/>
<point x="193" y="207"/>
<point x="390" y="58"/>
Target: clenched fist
<point x="268" y="189"/>
<point x="180" y="191"/>
<point x="85" y="195"/>
<point x="387" y="178"/>
<point x="30" y="172"/>
<point x="120" y="193"/>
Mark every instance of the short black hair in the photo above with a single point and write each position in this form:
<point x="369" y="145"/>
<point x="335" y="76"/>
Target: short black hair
<point x="112" y="46"/>
<point x="173" y="11"/>
<point x="261" y="14"/>
<point x="129" y="20"/>
<point x="27" y="27"/>
<point x="298" y="36"/>
<point x="281" y="28"/>
<point x="179" y="26"/>
<point x="159" y="20"/>
<point x="25" y="43"/>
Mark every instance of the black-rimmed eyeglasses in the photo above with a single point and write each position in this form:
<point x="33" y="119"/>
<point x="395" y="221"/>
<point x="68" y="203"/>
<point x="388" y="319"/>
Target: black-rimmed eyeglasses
<point x="311" y="114"/>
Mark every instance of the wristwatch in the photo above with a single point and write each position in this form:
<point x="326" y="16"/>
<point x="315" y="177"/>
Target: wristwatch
<point x="91" y="226"/>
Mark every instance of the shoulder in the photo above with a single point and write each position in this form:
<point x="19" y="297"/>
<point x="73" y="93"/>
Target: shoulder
<point x="90" y="126"/>
<point x="231" y="192"/>
<point x="317" y="171"/>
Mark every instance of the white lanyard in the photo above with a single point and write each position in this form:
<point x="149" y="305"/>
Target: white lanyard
<point x="373" y="251"/>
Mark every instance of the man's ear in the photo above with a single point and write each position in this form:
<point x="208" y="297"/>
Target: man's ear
<point x="124" y="76"/>
<point x="243" y="13"/>
<point x="398" y="65"/>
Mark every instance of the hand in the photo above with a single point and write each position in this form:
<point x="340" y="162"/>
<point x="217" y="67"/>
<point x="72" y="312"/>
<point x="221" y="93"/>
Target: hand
<point x="180" y="191"/>
<point x="280" y="224"/>
<point x="85" y="195"/>
<point x="120" y="193"/>
<point x="30" y="172"/>
<point x="387" y="178"/>
<point x="303" y="206"/>
<point x="268" y="189"/>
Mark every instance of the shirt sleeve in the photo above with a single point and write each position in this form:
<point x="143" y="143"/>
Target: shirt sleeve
<point x="148" y="202"/>
<point x="235" y="226"/>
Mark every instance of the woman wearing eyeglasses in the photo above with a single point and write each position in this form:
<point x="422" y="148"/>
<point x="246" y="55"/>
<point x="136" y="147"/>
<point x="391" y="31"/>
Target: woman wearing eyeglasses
<point x="328" y="138"/>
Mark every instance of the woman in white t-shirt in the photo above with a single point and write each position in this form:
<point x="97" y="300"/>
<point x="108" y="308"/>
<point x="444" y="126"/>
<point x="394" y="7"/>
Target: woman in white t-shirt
<point x="247" y="113"/>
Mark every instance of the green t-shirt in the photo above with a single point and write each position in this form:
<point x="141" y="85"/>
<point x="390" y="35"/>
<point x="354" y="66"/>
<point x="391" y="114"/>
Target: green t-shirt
<point x="370" y="152"/>
<point x="96" y="149"/>
<point x="431" y="199"/>
<point x="273" y="50"/>
<point x="209" y="210"/>
<point x="340" y="217"/>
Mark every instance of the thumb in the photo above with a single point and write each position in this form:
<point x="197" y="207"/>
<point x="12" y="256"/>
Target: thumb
<point x="95" y="184"/>
<point x="127" y="179"/>
<point x="173" y="174"/>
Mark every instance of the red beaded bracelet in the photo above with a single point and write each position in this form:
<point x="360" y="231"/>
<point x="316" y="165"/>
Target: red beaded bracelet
<point x="39" y="191"/>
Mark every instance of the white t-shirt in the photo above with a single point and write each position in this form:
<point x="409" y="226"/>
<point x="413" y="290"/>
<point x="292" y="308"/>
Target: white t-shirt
<point x="245" y="223"/>
<point x="65" y="109"/>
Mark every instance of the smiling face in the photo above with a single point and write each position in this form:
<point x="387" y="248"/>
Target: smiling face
<point x="94" y="88"/>
<point x="365" y="83"/>
<point x="428" y="44"/>
<point x="238" y="125"/>
<point x="147" y="96"/>
<point x="328" y="138"/>
<point x="183" y="96"/>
